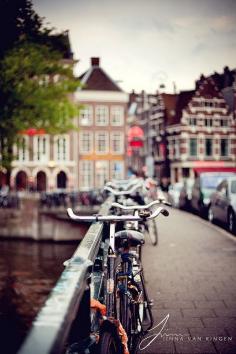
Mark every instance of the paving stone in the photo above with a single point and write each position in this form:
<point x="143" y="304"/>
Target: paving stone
<point x="158" y="346"/>
<point x="205" y="333"/>
<point x="179" y="304"/>
<point x="223" y="322"/>
<point x="225" y="347"/>
<point x="211" y="304"/>
<point x="195" y="346"/>
<point x="230" y="304"/>
<point x="186" y="322"/>
<point x="225" y="312"/>
<point x="198" y="313"/>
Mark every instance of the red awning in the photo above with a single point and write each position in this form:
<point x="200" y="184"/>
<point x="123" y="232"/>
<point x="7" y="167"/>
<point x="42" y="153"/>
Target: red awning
<point x="136" y="143"/>
<point x="33" y="131"/>
<point x="199" y="170"/>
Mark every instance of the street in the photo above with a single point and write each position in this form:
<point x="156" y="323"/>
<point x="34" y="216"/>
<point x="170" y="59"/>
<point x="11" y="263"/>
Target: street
<point x="190" y="276"/>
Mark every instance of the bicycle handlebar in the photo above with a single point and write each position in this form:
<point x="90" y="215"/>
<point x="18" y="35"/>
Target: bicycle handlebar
<point x="122" y="185"/>
<point x="140" y="207"/>
<point x="126" y="192"/>
<point x="115" y="218"/>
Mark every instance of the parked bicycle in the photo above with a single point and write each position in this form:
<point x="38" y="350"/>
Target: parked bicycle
<point x="128" y="308"/>
<point x="137" y="192"/>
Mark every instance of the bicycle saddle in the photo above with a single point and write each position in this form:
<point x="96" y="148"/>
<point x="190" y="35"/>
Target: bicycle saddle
<point x="134" y="237"/>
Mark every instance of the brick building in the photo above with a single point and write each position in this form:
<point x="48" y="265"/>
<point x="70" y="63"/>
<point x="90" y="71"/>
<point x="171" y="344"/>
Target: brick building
<point x="199" y="131"/>
<point x="102" y="128"/>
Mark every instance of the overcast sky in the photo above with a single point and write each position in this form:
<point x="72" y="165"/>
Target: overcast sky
<point x="144" y="43"/>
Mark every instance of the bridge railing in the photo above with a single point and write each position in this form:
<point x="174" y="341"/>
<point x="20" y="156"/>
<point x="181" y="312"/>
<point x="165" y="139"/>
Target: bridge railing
<point x="65" y="317"/>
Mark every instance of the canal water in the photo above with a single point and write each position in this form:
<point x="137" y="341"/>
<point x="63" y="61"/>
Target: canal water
<point x="28" y="271"/>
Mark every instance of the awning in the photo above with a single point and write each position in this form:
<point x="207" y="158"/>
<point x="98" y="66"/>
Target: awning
<point x="199" y="170"/>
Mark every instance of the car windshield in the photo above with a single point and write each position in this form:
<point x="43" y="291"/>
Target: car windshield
<point x="233" y="187"/>
<point x="211" y="182"/>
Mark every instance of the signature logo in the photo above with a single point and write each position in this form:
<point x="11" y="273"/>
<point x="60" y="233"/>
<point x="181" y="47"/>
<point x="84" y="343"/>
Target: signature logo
<point x="159" y="332"/>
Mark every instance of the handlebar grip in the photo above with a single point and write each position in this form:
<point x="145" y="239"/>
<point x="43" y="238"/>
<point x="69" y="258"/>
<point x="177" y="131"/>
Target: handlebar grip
<point x="165" y="212"/>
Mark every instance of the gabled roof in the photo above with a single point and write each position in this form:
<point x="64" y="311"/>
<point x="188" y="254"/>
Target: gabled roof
<point x="174" y="105"/>
<point x="184" y="98"/>
<point x="169" y="101"/>
<point x="207" y="88"/>
<point x="97" y="79"/>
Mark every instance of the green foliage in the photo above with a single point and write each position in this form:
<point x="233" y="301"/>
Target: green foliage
<point x="36" y="84"/>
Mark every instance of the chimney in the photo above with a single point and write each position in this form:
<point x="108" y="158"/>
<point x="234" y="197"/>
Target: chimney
<point x="95" y="61"/>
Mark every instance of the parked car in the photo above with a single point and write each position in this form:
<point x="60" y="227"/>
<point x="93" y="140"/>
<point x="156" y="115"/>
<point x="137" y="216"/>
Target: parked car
<point x="174" y="192"/>
<point x="223" y="204"/>
<point x="186" y="194"/>
<point x="205" y="184"/>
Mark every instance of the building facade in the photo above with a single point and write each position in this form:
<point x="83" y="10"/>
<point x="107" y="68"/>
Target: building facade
<point x="199" y="132"/>
<point x="101" y="153"/>
<point x="44" y="162"/>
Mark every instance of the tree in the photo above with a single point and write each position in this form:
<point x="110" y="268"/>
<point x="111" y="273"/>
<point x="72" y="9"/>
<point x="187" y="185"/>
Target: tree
<point x="35" y="83"/>
<point x="19" y="21"/>
<point x="35" y="86"/>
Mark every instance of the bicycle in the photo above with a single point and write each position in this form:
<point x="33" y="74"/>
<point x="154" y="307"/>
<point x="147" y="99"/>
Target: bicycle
<point x="151" y="226"/>
<point x="128" y="309"/>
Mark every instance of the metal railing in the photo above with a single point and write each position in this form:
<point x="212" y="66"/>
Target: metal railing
<point x="65" y="317"/>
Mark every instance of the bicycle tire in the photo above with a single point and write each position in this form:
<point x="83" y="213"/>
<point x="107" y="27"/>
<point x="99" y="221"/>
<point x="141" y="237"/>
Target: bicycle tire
<point x="110" y="343"/>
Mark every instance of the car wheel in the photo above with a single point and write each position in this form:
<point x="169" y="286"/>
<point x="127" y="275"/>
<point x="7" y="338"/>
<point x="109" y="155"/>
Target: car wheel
<point x="231" y="221"/>
<point x="210" y="214"/>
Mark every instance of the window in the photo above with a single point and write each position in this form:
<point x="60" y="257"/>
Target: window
<point x="208" y="147"/>
<point x="102" y="146"/>
<point x="86" y="174"/>
<point x="209" y="104"/>
<point x="193" y="147"/>
<point x="22" y="148"/>
<point x="117" y="169"/>
<point x="224" y="147"/>
<point x="117" y="115"/>
<point x="101" y="115"/>
<point x="176" y="148"/>
<point x="193" y="121"/>
<point x="117" y="142"/>
<point x="86" y="116"/>
<point x="208" y="122"/>
<point x="224" y="123"/>
<point x="41" y="147"/>
<point x="61" y="147"/>
<point x="102" y="172"/>
<point x="85" y="142"/>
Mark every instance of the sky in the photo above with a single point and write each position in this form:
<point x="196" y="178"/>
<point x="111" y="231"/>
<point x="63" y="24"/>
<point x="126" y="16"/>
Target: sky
<point x="145" y="43"/>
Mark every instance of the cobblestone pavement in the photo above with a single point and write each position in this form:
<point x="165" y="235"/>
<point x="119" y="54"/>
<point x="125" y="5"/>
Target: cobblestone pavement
<point x="191" y="275"/>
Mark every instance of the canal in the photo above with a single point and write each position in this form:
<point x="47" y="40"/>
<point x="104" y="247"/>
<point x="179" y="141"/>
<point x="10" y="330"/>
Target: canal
<point x="28" y="271"/>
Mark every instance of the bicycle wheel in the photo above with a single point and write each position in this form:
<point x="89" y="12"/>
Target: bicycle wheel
<point x="109" y="343"/>
<point x="153" y="232"/>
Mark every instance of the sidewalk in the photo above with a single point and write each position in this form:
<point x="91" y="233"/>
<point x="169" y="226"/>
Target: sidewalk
<point x="191" y="275"/>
